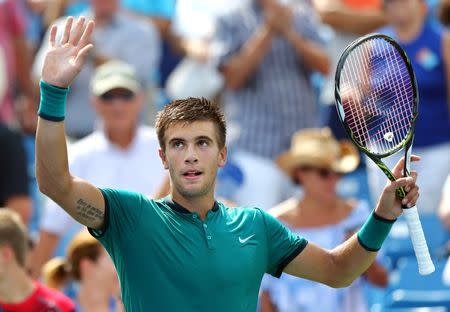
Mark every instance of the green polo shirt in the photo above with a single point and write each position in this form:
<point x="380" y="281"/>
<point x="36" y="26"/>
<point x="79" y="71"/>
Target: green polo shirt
<point x="168" y="259"/>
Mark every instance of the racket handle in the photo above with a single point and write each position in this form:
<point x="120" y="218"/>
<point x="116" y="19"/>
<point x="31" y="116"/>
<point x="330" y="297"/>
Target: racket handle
<point x="423" y="257"/>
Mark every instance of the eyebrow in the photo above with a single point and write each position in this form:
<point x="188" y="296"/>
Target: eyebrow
<point x="202" y="137"/>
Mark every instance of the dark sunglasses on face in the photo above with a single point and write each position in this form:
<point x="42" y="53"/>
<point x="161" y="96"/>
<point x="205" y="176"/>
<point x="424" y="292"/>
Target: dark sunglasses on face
<point x="322" y="172"/>
<point x="124" y="95"/>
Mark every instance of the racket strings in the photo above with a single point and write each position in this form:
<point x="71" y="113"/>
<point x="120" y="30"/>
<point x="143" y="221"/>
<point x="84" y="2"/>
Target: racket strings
<point x="377" y="95"/>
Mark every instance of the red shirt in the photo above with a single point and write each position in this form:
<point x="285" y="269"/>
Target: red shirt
<point x="43" y="299"/>
<point x="12" y="25"/>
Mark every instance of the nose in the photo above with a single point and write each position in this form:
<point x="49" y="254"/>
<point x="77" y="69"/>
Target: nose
<point x="191" y="155"/>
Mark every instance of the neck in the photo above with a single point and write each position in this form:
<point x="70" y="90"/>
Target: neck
<point x="409" y="32"/>
<point x="121" y="138"/>
<point x="16" y="286"/>
<point x="200" y="205"/>
<point x="91" y="297"/>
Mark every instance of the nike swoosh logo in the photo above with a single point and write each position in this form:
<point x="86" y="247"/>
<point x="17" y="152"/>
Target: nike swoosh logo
<point x="244" y="240"/>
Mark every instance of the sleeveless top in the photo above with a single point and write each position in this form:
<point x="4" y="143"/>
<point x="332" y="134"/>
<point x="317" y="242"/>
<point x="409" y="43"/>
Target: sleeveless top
<point x="427" y="58"/>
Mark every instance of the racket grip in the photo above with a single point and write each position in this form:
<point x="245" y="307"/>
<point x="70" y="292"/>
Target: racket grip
<point x="420" y="246"/>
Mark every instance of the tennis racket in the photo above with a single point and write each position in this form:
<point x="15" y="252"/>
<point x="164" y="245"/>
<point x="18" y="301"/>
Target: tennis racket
<point x="377" y="102"/>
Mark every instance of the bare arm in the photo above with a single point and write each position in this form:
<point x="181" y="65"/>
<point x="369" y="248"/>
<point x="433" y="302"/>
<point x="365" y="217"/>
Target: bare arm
<point x="447" y="64"/>
<point x="83" y="201"/>
<point x="265" y="302"/>
<point x="238" y="70"/>
<point x="42" y="252"/>
<point x="342" y="265"/>
<point x="314" y="56"/>
<point x="343" y="18"/>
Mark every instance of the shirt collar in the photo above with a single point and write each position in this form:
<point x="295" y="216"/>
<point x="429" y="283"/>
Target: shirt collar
<point x="177" y="207"/>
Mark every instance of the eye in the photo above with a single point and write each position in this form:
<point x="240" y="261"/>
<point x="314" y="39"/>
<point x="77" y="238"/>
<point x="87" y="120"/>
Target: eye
<point x="203" y="143"/>
<point x="177" y="144"/>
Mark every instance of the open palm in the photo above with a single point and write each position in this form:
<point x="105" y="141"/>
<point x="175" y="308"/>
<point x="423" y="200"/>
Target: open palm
<point x="65" y="59"/>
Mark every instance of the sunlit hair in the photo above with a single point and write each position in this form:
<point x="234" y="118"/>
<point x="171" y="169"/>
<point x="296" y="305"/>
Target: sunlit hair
<point x="58" y="271"/>
<point x="187" y="111"/>
<point x="13" y="233"/>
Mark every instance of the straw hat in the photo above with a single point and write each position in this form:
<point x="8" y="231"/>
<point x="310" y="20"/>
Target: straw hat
<point x="317" y="147"/>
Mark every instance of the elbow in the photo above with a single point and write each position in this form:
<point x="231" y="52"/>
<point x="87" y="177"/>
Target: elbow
<point x="336" y="276"/>
<point x="51" y="186"/>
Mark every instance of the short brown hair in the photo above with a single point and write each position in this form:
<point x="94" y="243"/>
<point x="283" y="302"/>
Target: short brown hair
<point x="187" y="111"/>
<point x="14" y="233"/>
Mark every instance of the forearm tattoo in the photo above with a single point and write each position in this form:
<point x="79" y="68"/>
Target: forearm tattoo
<point x="88" y="212"/>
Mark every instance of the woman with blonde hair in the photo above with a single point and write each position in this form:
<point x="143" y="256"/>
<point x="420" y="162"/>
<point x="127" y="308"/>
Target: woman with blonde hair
<point x="87" y="264"/>
<point x="316" y="161"/>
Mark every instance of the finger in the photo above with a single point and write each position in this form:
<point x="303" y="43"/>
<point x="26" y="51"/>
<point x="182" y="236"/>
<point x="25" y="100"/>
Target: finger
<point x="83" y="54"/>
<point x="411" y="199"/>
<point x="78" y="31"/>
<point x="400" y="182"/>
<point x="398" y="168"/>
<point x="52" y="39"/>
<point x="87" y="34"/>
<point x="67" y="28"/>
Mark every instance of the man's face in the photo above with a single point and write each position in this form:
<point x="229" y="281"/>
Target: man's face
<point x="104" y="7"/>
<point x="119" y="109"/>
<point x="400" y="12"/>
<point x="192" y="156"/>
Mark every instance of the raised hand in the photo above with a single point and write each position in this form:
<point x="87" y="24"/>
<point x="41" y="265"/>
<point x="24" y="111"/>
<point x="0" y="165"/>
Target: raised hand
<point x="389" y="205"/>
<point x="64" y="60"/>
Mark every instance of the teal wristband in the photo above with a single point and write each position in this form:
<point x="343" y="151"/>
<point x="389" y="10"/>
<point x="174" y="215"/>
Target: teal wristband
<point x="53" y="102"/>
<point x="374" y="231"/>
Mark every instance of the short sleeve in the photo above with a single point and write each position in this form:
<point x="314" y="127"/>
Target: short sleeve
<point x="123" y="211"/>
<point x="283" y="245"/>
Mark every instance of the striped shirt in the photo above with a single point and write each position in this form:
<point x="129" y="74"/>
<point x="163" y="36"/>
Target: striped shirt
<point x="278" y="100"/>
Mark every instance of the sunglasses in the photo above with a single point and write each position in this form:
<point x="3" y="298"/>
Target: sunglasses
<point x="322" y="172"/>
<point x="125" y="95"/>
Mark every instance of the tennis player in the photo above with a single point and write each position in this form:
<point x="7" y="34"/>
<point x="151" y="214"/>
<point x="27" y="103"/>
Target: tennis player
<point x="188" y="252"/>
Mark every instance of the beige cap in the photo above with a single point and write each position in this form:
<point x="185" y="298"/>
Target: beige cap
<point x="113" y="75"/>
<point x="317" y="147"/>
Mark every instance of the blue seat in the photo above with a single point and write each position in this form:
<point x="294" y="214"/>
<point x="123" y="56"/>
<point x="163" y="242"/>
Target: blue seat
<point x="398" y="244"/>
<point x="408" y="289"/>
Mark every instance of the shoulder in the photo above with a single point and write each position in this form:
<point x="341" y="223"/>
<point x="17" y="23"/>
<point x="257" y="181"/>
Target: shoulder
<point x="284" y="211"/>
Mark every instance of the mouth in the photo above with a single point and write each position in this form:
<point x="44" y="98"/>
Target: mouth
<point x="192" y="174"/>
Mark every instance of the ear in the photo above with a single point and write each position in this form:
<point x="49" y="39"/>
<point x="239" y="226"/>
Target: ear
<point x="6" y="254"/>
<point x="163" y="157"/>
<point x="223" y="153"/>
